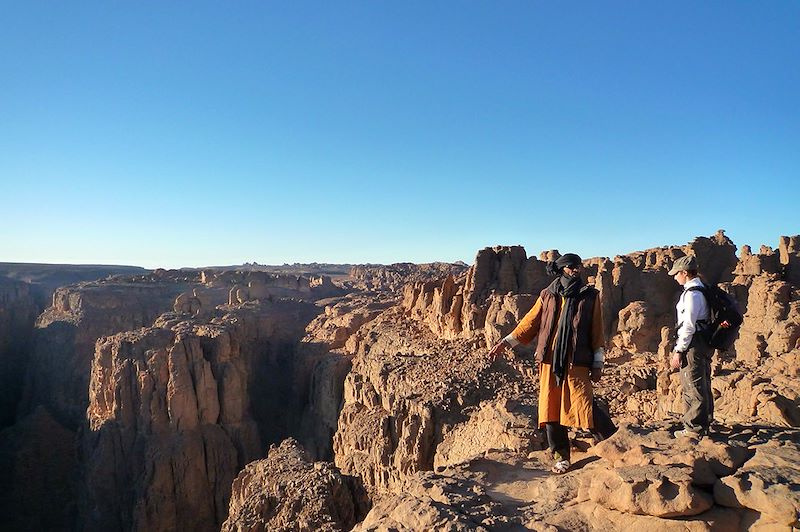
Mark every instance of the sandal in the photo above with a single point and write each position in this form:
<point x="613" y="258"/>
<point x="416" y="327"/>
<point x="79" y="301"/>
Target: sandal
<point x="561" y="467"/>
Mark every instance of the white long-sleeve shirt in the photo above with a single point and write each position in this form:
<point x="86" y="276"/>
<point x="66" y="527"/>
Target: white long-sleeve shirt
<point x="691" y="308"/>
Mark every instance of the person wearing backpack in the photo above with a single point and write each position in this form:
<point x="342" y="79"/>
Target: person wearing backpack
<point x="692" y="354"/>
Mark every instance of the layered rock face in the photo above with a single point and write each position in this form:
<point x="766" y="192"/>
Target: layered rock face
<point x="44" y="279"/>
<point x="55" y="395"/>
<point x="177" y="409"/>
<point x="18" y="312"/>
<point x="66" y="333"/>
<point x="342" y="318"/>
<point x="161" y="441"/>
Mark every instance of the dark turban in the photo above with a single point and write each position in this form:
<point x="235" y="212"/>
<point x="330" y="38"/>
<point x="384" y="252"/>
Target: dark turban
<point x="568" y="259"/>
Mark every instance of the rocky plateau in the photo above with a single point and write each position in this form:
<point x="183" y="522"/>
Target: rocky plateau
<point x="254" y="399"/>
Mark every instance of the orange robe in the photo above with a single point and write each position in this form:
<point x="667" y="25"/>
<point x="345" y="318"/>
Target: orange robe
<point x="571" y="403"/>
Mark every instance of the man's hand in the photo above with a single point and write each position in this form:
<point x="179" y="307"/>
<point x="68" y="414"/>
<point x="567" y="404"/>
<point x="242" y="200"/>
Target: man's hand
<point x="498" y="349"/>
<point x="675" y="360"/>
<point x="596" y="374"/>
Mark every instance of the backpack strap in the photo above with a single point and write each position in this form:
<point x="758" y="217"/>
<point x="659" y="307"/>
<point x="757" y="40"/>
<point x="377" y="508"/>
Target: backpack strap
<point x="703" y="290"/>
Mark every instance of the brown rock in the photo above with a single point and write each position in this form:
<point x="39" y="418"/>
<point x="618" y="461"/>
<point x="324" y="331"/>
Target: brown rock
<point x="649" y="490"/>
<point x="789" y="249"/>
<point x="286" y="491"/>
<point x="65" y="336"/>
<point x="501" y="425"/>
<point x="772" y="320"/>
<point x="426" y="501"/>
<point x="391" y="278"/>
<point x="767" y="483"/>
<point x="342" y="319"/>
<point x="636" y="328"/>
<point x="766" y="261"/>
<point x="177" y="409"/>
<point x="407" y="389"/>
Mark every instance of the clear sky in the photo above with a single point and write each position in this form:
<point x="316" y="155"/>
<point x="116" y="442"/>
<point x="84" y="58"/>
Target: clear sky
<point x="192" y="133"/>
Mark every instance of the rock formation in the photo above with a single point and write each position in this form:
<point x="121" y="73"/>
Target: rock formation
<point x="790" y="258"/>
<point x="342" y="318"/>
<point x="245" y="286"/>
<point x="407" y="391"/>
<point x="458" y="309"/>
<point x="393" y="277"/>
<point x="176" y="410"/>
<point x="420" y="429"/>
<point x="66" y="333"/>
<point x="287" y="491"/>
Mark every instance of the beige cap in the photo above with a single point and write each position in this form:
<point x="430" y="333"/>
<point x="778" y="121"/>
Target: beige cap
<point x="688" y="262"/>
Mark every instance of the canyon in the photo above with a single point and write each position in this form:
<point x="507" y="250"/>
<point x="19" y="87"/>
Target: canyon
<point x="307" y="398"/>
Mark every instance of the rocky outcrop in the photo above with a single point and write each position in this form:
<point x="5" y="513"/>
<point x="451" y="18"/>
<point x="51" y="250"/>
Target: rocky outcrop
<point x="245" y="286"/>
<point x="343" y="317"/>
<point x="287" y="491"/>
<point x="638" y="479"/>
<point x="408" y="391"/>
<point x="18" y="311"/>
<point x="393" y="277"/>
<point x="65" y="336"/>
<point x="789" y="248"/>
<point x="637" y="295"/>
<point x="772" y="320"/>
<point x="766" y="484"/>
<point x="428" y="501"/>
<point x="757" y="380"/>
<point x="178" y="409"/>
<point x="487" y="298"/>
<point x="44" y="279"/>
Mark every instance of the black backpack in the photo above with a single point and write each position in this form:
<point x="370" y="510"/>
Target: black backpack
<point x="725" y="318"/>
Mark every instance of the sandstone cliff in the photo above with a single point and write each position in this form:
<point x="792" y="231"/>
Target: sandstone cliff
<point x="176" y="410"/>
<point x="66" y="332"/>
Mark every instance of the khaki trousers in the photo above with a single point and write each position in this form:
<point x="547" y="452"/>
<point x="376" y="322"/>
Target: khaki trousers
<point x="698" y="401"/>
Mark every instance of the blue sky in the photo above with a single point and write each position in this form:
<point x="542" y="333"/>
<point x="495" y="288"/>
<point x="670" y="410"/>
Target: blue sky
<point x="203" y="133"/>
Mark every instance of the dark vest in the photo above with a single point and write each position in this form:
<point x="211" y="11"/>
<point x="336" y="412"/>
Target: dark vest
<point x="581" y="353"/>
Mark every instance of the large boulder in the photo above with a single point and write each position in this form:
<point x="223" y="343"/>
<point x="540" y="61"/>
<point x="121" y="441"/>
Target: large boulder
<point x="287" y="491"/>
<point x="768" y="483"/>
